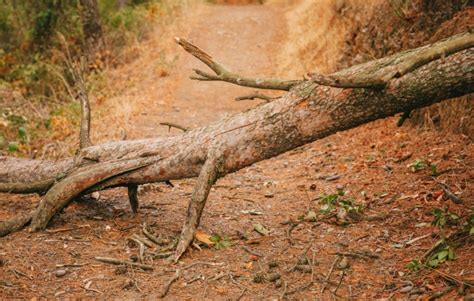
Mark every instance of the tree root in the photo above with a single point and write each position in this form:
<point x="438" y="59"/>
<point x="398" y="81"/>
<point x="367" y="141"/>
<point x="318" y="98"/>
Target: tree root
<point x="14" y="224"/>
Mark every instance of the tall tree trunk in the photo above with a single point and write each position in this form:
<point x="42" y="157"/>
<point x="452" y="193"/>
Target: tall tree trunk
<point x="313" y="109"/>
<point x="92" y="29"/>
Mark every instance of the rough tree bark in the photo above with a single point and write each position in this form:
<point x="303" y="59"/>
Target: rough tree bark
<point x="313" y="109"/>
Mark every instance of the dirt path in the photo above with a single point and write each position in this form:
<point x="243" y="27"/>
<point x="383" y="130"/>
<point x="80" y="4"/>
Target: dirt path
<point x="367" y="163"/>
<point x="244" y="38"/>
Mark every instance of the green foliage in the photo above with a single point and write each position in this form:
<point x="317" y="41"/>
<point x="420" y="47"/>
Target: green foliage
<point x="328" y="202"/>
<point x="220" y="242"/>
<point x="439" y="219"/>
<point x="434" y="169"/>
<point x="442" y="217"/>
<point x="12" y="147"/>
<point x="447" y="253"/>
<point x="417" y="165"/>
<point x="414" y="265"/>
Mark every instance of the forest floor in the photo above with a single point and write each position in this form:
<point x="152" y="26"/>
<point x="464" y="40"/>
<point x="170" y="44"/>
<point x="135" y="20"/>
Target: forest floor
<point x="370" y="164"/>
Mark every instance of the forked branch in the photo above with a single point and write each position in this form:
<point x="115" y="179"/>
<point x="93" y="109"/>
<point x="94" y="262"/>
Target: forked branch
<point x="222" y="74"/>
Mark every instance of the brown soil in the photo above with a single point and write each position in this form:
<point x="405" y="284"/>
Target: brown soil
<point x="368" y="161"/>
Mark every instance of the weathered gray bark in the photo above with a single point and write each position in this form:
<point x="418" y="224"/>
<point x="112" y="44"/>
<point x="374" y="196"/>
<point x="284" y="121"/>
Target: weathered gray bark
<point x="308" y="112"/>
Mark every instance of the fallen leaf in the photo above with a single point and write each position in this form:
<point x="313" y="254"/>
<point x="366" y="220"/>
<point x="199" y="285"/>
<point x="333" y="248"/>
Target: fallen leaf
<point x="261" y="229"/>
<point x="203" y="237"/>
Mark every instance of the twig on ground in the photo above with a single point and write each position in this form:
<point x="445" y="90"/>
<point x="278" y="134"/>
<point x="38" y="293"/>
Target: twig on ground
<point x="412" y="241"/>
<point x="358" y="254"/>
<point x="67" y="229"/>
<point x="329" y="274"/>
<point x="440" y="294"/>
<point x="142" y="240"/>
<point x="340" y="282"/>
<point x="241" y="294"/>
<point x="71" y="265"/>
<point x="251" y="252"/>
<point x="450" y="194"/>
<point x="157" y="240"/>
<point x="141" y="251"/>
<point x="178" y="272"/>
<point x="168" y="284"/>
<point x="124" y="262"/>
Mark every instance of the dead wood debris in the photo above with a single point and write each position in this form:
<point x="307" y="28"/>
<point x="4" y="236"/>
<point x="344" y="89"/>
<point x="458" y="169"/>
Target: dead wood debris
<point x="115" y="261"/>
<point x="179" y="271"/>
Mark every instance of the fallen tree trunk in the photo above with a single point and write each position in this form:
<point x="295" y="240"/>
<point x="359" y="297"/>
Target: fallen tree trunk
<point x="313" y="109"/>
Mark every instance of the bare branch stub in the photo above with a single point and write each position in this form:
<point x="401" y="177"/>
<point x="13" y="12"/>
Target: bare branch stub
<point x="254" y="96"/>
<point x="133" y="198"/>
<point x="405" y="115"/>
<point x="222" y="74"/>
<point x="174" y="125"/>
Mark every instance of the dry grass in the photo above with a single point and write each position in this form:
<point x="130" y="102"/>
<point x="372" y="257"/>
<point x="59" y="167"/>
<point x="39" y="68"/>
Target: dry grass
<point x="317" y="34"/>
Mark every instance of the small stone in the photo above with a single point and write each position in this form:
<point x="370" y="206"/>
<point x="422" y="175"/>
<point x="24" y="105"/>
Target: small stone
<point x="278" y="283"/>
<point x="273" y="277"/>
<point x="134" y="258"/>
<point x="120" y="270"/>
<point x="406" y="289"/>
<point x="258" y="278"/>
<point x="303" y="260"/>
<point x="60" y="273"/>
<point x="269" y="195"/>
<point x="339" y="187"/>
<point x="272" y="264"/>
<point x="344" y="263"/>
<point x="303" y="268"/>
<point x="311" y="216"/>
<point x="95" y="195"/>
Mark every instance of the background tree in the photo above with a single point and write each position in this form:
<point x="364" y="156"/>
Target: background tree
<point x="92" y="28"/>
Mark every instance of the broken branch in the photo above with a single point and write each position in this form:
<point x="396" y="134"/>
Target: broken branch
<point x="222" y="74"/>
